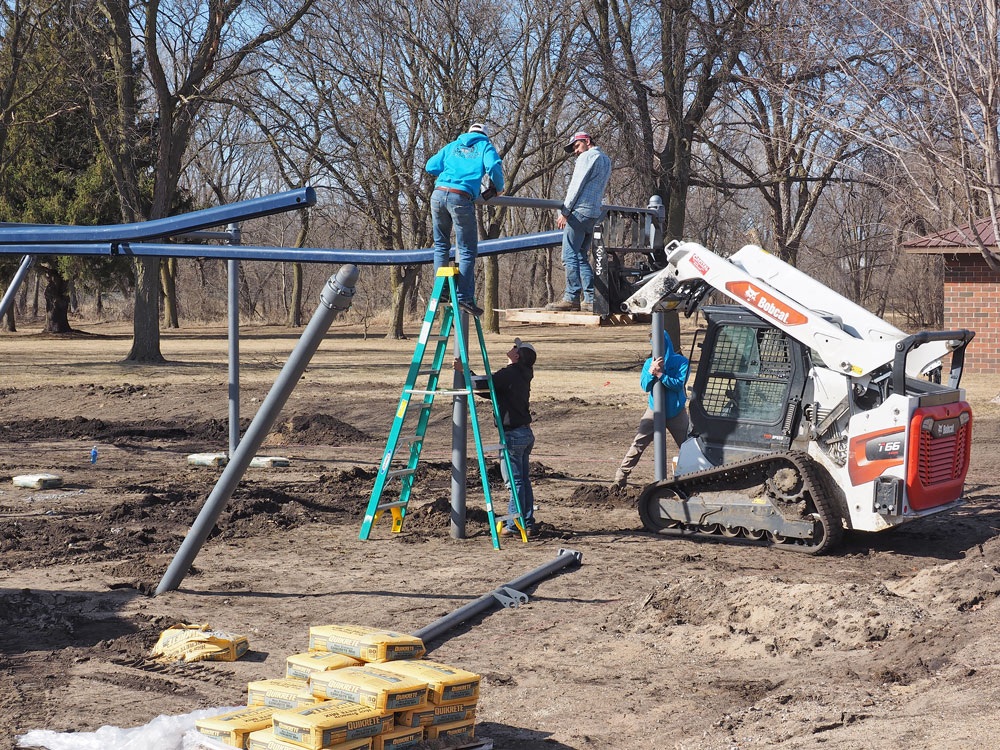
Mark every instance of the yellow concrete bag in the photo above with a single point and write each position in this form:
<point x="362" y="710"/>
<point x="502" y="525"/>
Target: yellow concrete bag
<point x="370" y="686"/>
<point x="367" y="644"/>
<point x="282" y="694"/>
<point x="432" y="715"/>
<point x="330" y="723"/>
<point x="398" y="738"/>
<point x="445" y="685"/>
<point x="234" y="728"/>
<point x="300" y="666"/>
<point x="265" y="740"/>
<point x="455" y="729"/>
<point x="199" y="643"/>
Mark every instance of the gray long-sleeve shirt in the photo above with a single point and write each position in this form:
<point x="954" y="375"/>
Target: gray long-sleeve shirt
<point x="590" y="178"/>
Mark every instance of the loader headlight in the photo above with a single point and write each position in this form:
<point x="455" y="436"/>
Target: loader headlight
<point x="927" y="424"/>
<point x="964" y="417"/>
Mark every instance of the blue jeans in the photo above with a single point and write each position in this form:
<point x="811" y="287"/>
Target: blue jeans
<point x="576" y="257"/>
<point x="452" y="209"/>
<point x="520" y="441"/>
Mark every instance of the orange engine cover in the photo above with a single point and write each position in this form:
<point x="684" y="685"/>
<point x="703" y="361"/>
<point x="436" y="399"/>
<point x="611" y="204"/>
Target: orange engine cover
<point x="937" y="458"/>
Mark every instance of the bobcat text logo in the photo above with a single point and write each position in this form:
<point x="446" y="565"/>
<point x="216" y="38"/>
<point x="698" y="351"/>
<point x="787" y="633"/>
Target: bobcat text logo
<point x="699" y="264"/>
<point x="759" y="301"/>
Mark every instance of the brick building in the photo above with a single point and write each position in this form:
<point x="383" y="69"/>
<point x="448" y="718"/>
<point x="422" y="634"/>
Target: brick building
<point x="971" y="291"/>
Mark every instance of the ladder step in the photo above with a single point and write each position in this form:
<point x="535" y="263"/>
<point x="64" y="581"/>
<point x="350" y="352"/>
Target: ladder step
<point x="397" y="504"/>
<point x="491" y="448"/>
<point x="409" y="440"/>
<point x="511" y="517"/>
<point x="440" y="392"/>
<point x="400" y="473"/>
<point x="431" y="371"/>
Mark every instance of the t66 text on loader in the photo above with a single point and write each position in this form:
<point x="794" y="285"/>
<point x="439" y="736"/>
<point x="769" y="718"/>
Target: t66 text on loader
<point x="809" y="414"/>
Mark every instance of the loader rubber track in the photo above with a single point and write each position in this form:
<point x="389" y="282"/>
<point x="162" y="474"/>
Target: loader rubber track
<point x="734" y="477"/>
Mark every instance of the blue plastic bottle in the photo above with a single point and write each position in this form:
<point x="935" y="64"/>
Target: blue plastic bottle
<point x="93" y="455"/>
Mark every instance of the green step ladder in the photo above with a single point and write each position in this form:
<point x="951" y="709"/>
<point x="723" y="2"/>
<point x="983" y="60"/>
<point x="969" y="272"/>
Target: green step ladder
<point x="445" y="309"/>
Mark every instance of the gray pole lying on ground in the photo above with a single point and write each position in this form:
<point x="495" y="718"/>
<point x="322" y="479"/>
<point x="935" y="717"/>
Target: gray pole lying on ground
<point x="459" y="436"/>
<point x="486" y="601"/>
<point x="8" y="297"/>
<point x="233" y="267"/>
<point x="335" y="297"/>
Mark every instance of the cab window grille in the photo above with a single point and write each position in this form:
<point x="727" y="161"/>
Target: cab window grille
<point x="749" y="374"/>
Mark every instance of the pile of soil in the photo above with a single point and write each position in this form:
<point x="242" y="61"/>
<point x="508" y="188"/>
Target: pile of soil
<point x="319" y="429"/>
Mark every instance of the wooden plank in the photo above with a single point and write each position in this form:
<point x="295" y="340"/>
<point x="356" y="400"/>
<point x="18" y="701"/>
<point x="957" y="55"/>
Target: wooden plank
<point x="570" y="318"/>
<point x="551" y="317"/>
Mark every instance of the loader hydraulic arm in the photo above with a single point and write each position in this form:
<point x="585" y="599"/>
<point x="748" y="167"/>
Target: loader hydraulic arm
<point x="848" y="338"/>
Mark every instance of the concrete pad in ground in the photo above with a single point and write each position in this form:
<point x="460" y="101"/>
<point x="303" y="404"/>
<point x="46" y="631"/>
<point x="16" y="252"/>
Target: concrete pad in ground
<point x="208" y="459"/>
<point x="38" y="481"/>
<point x="267" y="462"/>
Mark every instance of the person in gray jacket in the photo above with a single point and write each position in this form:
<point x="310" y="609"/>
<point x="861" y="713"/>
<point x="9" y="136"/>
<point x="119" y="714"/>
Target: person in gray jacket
<point x="579" y="214"/>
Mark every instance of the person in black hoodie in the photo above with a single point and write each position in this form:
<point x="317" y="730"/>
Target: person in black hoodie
<point x="513" y="388"/>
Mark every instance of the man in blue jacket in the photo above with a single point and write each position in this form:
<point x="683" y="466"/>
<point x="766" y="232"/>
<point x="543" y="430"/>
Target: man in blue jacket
<point x="672" y="371"/>
<point x="459" y="168"/>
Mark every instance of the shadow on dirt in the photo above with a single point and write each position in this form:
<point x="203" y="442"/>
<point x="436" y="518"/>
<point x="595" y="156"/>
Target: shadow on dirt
<point x="505" y="736"/>
<point x="43" y="620"/>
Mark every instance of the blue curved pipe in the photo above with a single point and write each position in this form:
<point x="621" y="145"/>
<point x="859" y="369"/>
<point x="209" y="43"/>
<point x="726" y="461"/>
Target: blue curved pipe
<point x="294" y="255"/>
<point x="27" y="234"/>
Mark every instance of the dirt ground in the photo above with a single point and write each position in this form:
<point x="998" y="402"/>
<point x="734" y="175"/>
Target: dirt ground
<point x="650" y="643"/>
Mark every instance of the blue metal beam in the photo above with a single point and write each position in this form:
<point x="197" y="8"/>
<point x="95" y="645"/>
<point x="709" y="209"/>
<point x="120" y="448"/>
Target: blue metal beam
<point x="27" y="234"/>
<point x="318" y="255"/>
<point x="295" y="255"/>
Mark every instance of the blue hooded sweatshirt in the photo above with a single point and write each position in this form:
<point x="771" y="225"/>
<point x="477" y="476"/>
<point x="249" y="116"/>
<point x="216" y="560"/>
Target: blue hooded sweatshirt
<point x="675" y="372"/>
<point x="463" y="162"/>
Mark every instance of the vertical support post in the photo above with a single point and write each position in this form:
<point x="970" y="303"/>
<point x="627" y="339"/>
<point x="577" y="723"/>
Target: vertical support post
<point x="8" y="297"/>
<point x="459" y="437"/>
<point x="233" y="267"/>
<point x="336" y="296"/>
<point x="659" y="405"/>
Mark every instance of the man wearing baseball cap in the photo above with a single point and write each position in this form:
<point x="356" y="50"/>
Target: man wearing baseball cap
<point x="459" y="168"/>
<point x="579" y="213"/>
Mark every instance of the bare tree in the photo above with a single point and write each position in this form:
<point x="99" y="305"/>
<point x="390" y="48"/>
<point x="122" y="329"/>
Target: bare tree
<point x="784" y="95"/>
<point x="187" y="53"/>
<point x="935" y="78"/>
<point x="657" y="66"/>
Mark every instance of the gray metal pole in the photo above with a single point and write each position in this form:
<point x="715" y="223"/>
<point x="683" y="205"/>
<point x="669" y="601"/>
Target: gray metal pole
<point x="486" y="601"/>
<point x="233" y="267"/>
<point x="659" y="391"/>
<point x="335" y="297"/>
<point x="659" y="405"/>
<point x="8" y="297"/>
<point x="459" y="440"/>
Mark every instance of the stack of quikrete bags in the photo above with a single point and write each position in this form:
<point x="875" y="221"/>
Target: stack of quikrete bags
<point x="356" y="688"/>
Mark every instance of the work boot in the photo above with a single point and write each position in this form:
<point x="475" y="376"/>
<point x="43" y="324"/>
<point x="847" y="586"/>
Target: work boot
<point x="619" y="484"/>
<point x="470" y="307"/>
<point x="564" y="305"/>
<point x="586" y="306"/>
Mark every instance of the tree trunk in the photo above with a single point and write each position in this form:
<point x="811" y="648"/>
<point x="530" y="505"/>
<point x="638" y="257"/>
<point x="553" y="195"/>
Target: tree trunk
<point x="34" y="301"/>
<point x="491" y="298"/>
<point x="146" y="318"/>
<point x="295" y="304"/>
<point x="56" y="303"/>
<point x="402" y="282"/>
<point x="168" y="276"/>
<point x="9" y="320"/>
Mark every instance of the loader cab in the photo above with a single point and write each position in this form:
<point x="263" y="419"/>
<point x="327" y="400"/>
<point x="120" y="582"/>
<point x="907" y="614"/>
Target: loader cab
<point x="748" y="390"/>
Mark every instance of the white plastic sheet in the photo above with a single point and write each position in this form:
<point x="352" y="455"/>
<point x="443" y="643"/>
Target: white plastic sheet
<point x="162" y="733"/>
